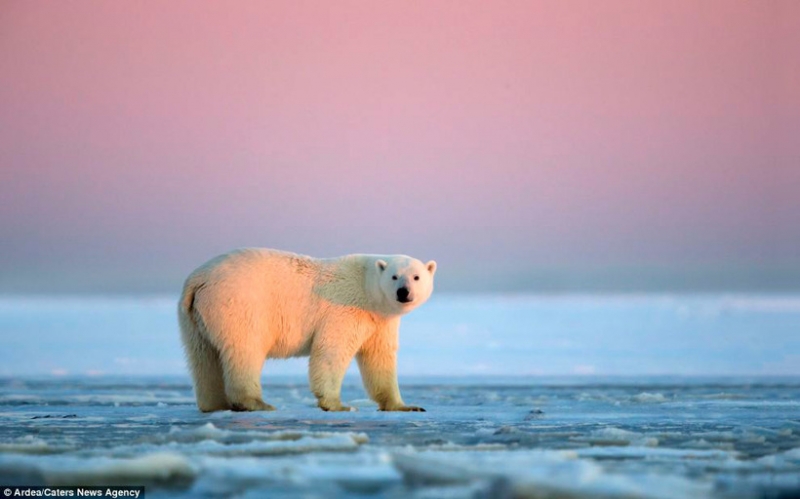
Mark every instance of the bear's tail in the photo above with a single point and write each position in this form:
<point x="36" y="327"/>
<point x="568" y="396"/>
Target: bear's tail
<point x="186" y="314"/>
<point x="201" y="355"/>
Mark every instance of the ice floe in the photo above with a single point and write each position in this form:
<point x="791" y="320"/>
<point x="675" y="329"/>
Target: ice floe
<point x="543" y="474"/>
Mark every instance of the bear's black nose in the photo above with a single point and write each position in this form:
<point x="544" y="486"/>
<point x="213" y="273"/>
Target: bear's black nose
<point x="402" y="295"/>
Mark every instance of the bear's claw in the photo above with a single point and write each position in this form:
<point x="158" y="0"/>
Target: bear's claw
<point x="405" y="408"/>
<point x="341" y="408"/>
<point x="251" y="405"/>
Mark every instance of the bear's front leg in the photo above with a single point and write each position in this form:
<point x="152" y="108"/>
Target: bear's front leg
<point x="325" y="373"/>
<point x="330" y="357"/>
<point x="377" y="362"/>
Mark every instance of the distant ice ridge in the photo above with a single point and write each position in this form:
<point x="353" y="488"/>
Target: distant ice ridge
<point x="462" y="335"/>
<point x="108" y="399"/>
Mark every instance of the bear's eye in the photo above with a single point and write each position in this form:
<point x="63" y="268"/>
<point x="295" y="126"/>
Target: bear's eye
<point x="394" y="277"/>
<point x="416" y="278"/>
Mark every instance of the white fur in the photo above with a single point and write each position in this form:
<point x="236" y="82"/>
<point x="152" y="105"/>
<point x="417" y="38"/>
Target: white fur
<point x="252" y="304"/>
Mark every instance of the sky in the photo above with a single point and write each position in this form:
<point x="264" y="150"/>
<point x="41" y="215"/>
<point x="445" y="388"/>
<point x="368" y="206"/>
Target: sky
<point x="556" y="146"/>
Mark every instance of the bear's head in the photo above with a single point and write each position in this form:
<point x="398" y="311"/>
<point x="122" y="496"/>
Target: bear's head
<point x="405" y="282"/>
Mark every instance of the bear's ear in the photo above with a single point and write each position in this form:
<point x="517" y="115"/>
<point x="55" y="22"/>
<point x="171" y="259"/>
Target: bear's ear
<point x="431" y="267"/>
<point x="381" y="265"/>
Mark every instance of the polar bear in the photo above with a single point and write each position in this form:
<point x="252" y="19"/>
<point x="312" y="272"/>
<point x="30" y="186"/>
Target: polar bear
<point x="251" y="304"/>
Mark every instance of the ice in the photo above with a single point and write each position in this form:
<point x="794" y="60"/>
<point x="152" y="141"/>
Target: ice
<point x="789" y="460"/>
<point x="617" y="436"/>
<point x="210" y="440"/>
<point x="542" y="474"/>
<point x="476" y="438"/>
<point x="646" y="397"/>
<point x="636" y="452"/>
<point x="69" y="470"/>
<point x="30" y="444"/>
<point x="367" y="472"/>
<point x="209" y="431"/>
<point x="279" y="446"/>
<point x="18" y="399"/>
<point x="138" y="399"/>
<point x="451" y="447"/>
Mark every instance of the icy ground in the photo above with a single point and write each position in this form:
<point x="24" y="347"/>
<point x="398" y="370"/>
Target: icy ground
<point x="481" y="437"/>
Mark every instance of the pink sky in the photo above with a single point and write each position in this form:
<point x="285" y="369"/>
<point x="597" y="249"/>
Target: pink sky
<point x="138" y="139"/>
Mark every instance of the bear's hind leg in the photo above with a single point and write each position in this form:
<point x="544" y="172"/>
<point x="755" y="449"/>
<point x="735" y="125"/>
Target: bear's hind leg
<point x="242" y="377"/>
<point x="206" y="373"/>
